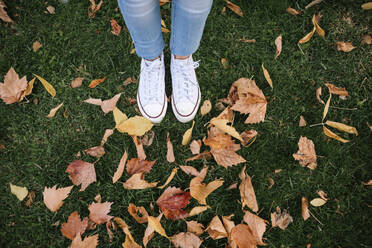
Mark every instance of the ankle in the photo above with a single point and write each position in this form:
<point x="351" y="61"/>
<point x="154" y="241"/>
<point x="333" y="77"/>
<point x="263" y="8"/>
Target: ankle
<point x="152" y="59"/>
<point x="181" y="57"/>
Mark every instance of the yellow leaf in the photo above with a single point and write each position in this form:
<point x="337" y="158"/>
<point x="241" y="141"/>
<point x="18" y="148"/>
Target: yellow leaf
<point x="47" y="86"/>
<point x="342" y="127"/>
<point x="317" y="202"/>
<point x="197" y="210"/>
<point x="53" y="111"/>
<point x="367" y="6"/>
<point x="318" y="29"/>
<point x="187" y="135"/>
<point x="132" y="51"/>
<point x="307" y="37"/>
<point x="20" y="192"/>
<point x="136" y="125"/>
<point x="201" y="191"/>
<point x="165" y="30"/>
<point x="222" y="125"/>
<point x="163" y="23"/>
<point x="332" y="135"/>
<point x="155" y="224"/>
<point x="171" y="176"/>
<point x="206" y="107"/>
<point x="326" y="107"/>
<point x="36" y="46"/>
<point x="119" y="116"/>
<point x="267" y="76"/>
<point x="29" y="88"/>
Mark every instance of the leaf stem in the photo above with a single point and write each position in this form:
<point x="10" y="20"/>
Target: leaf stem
<point x="317" y="124"/>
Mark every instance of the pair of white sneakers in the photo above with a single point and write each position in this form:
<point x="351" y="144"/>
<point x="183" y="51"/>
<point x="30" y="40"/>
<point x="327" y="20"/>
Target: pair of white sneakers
<point x="151" y="96"/>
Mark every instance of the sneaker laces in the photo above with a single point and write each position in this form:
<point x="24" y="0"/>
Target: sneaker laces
<point x="185" y="86"/>
<point x="151" y="78"/>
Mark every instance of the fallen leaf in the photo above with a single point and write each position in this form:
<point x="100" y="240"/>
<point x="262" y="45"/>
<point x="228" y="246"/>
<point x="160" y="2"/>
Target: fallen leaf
<point x="278" y="44"/>
<point x="132" y="51"/>
<point x="31" y="197"/>
<point x="201" y="191"/>
<point x="119" y="116"/>
<point x="247" y="195"/>
<point x="367" y="40"/>
<point x="108" y="133"/>
<point x="367" y="6"/>
<point x="155" y="224"/>
<point x="305" y="210"/>
<point x="119" y="171"/>
<point x="165" y="30"/>
<point x="235" y="8"/>
<point x="51" y="10"/>
<point x="317" y="202"/>
<point x="195" y="146"/>
<point x="233" y="186"/>
<point x="29" y="88"/>
<point x="148" y="138"/>
<point x="53" y="111"/>
<point x="257" y="226"/>
<point x="92" y="10"/>
<point x="116" y="28"/>
<point x="129" y="240"/>
<point x="336" y="90"/>
<point x="149" y="232"/>
<point x="187" y="135"/>
<point x="271" y="182"/>
<point x="302" y="122"/>
<point x="206" y="107"/>
<point x="293" y="11"/>
<point x="312" y="3"/>
<point x="169" y="179"/>
<point x="332" y="135"/>
<point x="318" y="29"/>
<point x="281" y="219"/>
<point x="77" y="82"/>
<point x="197" y="210"/>
<point x="74" y="226"/>
<point x="306" y="153"/>
<point x="318" y="94"/>
<point x="251" y="41"/>
<point x="345" y="46"/>
<point x="36" y="46"/>
<point x="189" y="170"/>
<point x="12" y="89"/>
<point x="369" y="183"/>
<point x="342" y="127"/>
<point x="81" y="172"/>
<point x="195" y="227"/>
<point x="134" y="210"/>
<point x="98" y="198"/>
<point x="222" y="125"/>
<point x="242" y="236"/>
<point x="96" y="82"/>
<point x="162" y="2"/>
<point x="136" y="125"/>
<point x="277" y="171"/>
<point x="3" y="15"/>
<point x="53" y="197"/>
<point x="97" y="151"/>
<point x="19" y="192"/>
<point x="170" y="154"/>
<point x="186" y="240"/>
<point x="322" y="195"/>
<point x="139" y="147"/>
<point x="216" y="230"/>
<point x="224" y="64"/>
<point x="247" y="136"/>
<point x="136" y="165"/>
<point x="88" y="242"/>
<point x="98" y="212"/>
<point x="129" y="80"/>
<point x="49" y="88"/>
<point x="204" y="155"/>
<point x="172" y="201"/>
<point x="137" y="182"/>
<point x="267" y="76"/>
<point x="226" y="114"/>
<point x="307" y="37"/>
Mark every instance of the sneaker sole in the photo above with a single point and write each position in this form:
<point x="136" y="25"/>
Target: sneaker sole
<point x="158" y="118"/>
<point x="189" y="117"/>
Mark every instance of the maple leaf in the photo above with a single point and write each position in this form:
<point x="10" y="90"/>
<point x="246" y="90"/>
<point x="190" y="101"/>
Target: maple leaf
<point x="13" y="87"/>
<point x="306" y="153"/>
<point x="281" y="219"/>
<point x="248" y="197"/>
<point x="133" y="210"/>
<point x="81" y="172"/>
<point x="172" y="201"/>
<point x="88" y="242"/>
<point x="98" y="212"/>
<point x="53" y="197"/>
<point x="74" y="226"/>
<point x="186" y="240"/>
<point x="247" y="136"/>
<point x="135" y="165"/>
<point x="116" y="28"/>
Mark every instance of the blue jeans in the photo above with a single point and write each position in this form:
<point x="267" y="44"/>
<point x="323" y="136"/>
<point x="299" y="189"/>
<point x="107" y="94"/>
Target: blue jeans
<point x="142" y="18"/>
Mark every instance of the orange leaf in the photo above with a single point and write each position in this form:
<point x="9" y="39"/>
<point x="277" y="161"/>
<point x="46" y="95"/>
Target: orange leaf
<point x="81" y="172"/>
<point x="345" y="46"/>
<point x="293" y="11"/>
<point x="306" y="153"/>
<point x="77" y="82"/>
<point x="307" y="37"/>
<point x="92" y="10"/>
<point x="242" y="236"/>
<point x="53" y="197"/>
<point x="200" y="191"/>
<point x="149" y="232"/>
<point x="248" y="197"/>
<point x="116" y="28"/>
<point x="318" y="94"/>
<point x="336" y="90"/>
<point x="74" y="226"/>
<point x="119" y="171"/>
<point x="133" y="210"/>
<point x="172" y="201"/>
<point x="96" y="82"/>
<point x="234" y="8"/>
<point x="98" y="212"/>
<point x="135" y="165"/>
<point x="305" y="209"/>
<point x="318" y="29"/>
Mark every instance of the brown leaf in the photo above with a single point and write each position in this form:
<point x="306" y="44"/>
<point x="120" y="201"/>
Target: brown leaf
<point x="278" y="44"/>
<point x="345" y="46"/>
<point x="96" y="82"/>
<point x="221" y="124"/>
<point x="201" y="191"/>
<point x="226" y="114"/>
<point x="53" y="111"/>
<point x="77" y="82"/>
<point x="92" y="10"/>
<point x="332" y="135"/>
<point x="293" y="11"/>
<point x="137" y="182"/>
<point x="129" y="240"/>
<point x="31" y="196"/>
<point x="155" y="224"/>
<point x="129" y="80"/>
<point x="134" y="210"/>
<point x="204" y="155"/>
<point x="162" y="2"/>
<point x="189" y="170"/>
<point x="74" y="226"/>
<point x="106" y="105"/>
<point x="186" y="240"/>
<point x="119" y="171"/>
<point x="36" y="46"/>
<point x="305" y="210"/>
<point x="281" y="219"/>
<point x="147" y="138"/>
<point x="318" y="94"/>
<point x="318" y="29"/>
<point x="116" y="28"/>
<point x="172" y="201"/>
<point x="98" y="198"/>
<point x="81" y="172"/>
<point x="12" y="88"/>
<point x="247" y="195"/>
<point x="98" y="212"/>
<point x="257" y="226"/>
<point x="367" y="6"/>
<point x="306" y="153"/>
<point x="367" y="40"/>
<point x="51" y="10"/>
<point x="216" y="230"/>
<point x="206" y="107"/>
<point x="170" y="178"/>
<point x="3" y="15"/>
<point x="312" y="3"/>
<point x="243" y="237"/>
<point x="271" y="182"/>
<point x="97" y="151"/>
<point x="195" y="146"/>
<point x="28" y="91"/>
<point x="247" y="136"/>
<point x="251" y="41"/>
<point x="88" y="242"/>
<point x="135" y="165"/>
<point x="170" y="154"/>
<point x="369" y="183"/>
<point x="234" y="8"/>
<point x="195" y="227"/>
<point x="53" y="197"/>
<point x="149" y="232"/>
<point x="139" y="147"/>
<point x="322" y="195"/>
<point x="336" y="90"/>
<point x="302" y="122"/>
<point x="197" y="210"/>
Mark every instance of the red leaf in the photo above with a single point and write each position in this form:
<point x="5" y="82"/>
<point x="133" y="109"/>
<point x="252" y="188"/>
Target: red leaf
<point x="172" y="201"/>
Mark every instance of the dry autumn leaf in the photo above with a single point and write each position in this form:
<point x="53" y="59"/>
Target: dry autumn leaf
<point x="97" y="151"/>
<point x="367" y="6"/>
<point x="367" y="40"/>
<point x="92" y="10"/>
<point x="129" y="80"/>
<point x="187" y="135"/>
<point x="36" y="46"/>
<point x="307" y="37"/>
<point x="51" y="10"/>
<point x="53" y="111"/>
<point x="278" y="44"/>
<point x="369" y="183"/>
<point x="222" y="125"/>
<point x="317" y="202"/>
<point x="195" y="146"/>
<point x="74" y="226"/>
<point x="88" y="242"/>
<point x="251" y="41"/>
<point x="305" y="210"/>
<point x="49" y="88"/>
<point x="96" y="82"/>
<point x="12" y="89"/>
<point x="133" y="210"/>
<point x="257" y="226"/>
<point x="206" y="107"/>
<point x="170" y="154"/>
<point x="116" y="28"/>
<point x="137" y="181"/>
<point x="322" y="195"/>
<point x="204" y="155"/>
<point x="119" y="171"/>
<point x="156" y="226"/>
<point x="271" y="182"/>
<point x="139" y="147"/>
<point x="19" y="192"/>
<point x="197" y="210"/>
<point x="189" y="170"/>
<point x="77" y="82"/>
<point x="98" y="212"/>
<point x="216" y="230"/>
<point x="332" y="135"/>
<point x="293" y="11"/>
<point x="31" y="197"/>
<point x="195" y="227"/>
<point x="3" y="15"/>
<point x="81" y="172"/>
<point x="302" y="122"/>
<point x="318" y="93"/>
<point x="267" y="76"/>
<point x="108" y="133"/>
<point x="306" y="153"/>
<point x="281" y="219"/>
<point x="119" y="116"/>
<point x="248" y="136"/>
<point x="342" y="127"/>
<point x="312" y="3"/>
<point x="235" y="8"/>
<point x="247" y="195"/>
<point x="136" y="125"/>
<point x="345" y="46"/>
<point x="30" y="86"/>
<point x="148" y="138"/>
<point x="136" y="165"/>
<point x="149" y="232"/>
<point x="242" y="236"/>
<point x="172" y="201"/>
<point x="336" y="90"/>
<point x="200" y="191"/>
<point x="186" y="240"/>
<point x="318" y="29"/>
<point x="169" y="179"/>
<point x="53" y="197"/>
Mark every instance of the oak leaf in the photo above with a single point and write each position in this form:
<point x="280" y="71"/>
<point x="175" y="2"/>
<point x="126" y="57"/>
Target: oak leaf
<point x="53" y="197"/>
<point x="98" y="212"/>
<point x="74" y="226"/>
<point x="247" y="194"/>
<point x="134" y="210"/>
<point x="81" y="172"/>
<point x="281" y="219"/>
<point x="172" y="201"/>
<point x="306" y="153"/>
<point x="13" y="87"/>
<point x="186" y="240"/>
<point x="88" y="242"/>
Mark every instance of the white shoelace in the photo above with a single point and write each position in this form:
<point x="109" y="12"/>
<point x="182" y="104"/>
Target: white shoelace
<point x="152" y="87"/>
<point x="185" y="86"/>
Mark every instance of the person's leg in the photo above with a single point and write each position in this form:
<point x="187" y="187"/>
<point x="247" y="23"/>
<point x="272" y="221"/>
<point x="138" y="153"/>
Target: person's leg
<point x="142" y="18"/>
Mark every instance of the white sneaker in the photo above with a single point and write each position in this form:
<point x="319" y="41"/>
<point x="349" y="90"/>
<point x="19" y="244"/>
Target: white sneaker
<point x="185" y="89"/>
<point x="151" y="97"/>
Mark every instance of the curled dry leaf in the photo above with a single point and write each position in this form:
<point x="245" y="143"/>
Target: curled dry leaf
<point x="235" y="8"/>
<point x="189" y="170"/>
<point x="226" y="114"/>
<point x="98" y="198"/>
<point x="53" y="197"/>
<point x="333" y="89"/>
<point x="48" y="87"/>
<point x="3" y="15"/>
<point x="206" y="107"/>
<point x="74" y="226"/>
<point x="119" y="171"/>
<point x="129" y="240"/>
<point x="195" y="227"/>
<point x="53" y="111"/>
<point x="271" y="182"/>
<point x="156" y="226"/>
<point x="148" y="138"/>
<point x="12" y="89"/>
<point x="88" y="242"/>
<point x="134" y="210"/>
<point x="98" y="212"/>
<point x="170" y="178"/>
<point x="149" y="232"/>
<point x="28" y="91"/>
<point x="247" y="195"/>
<point x="187" y="135"/>
<point x="318" y="94"/>
<point x="281" y="219"/>
<point x="318" y="29"/>
<point x="77" y="82"/>
<point x="257" y="226"/>
<point x="136" y="165"/>
<point x="307" y="37"/>
<point x="186" y="240"/>
<point x="247" y="136"/>
<point x="195" y="146"/>
<point x="345" y="46"/>
<point x="197" y="210"/>
<point x="293" y="11"/>
<point x="216" y="229"/>
<point x="201" y="191"/>
<point x="332" y="135"/>
<point x="278" y="44"/>
<point x="81" y="172"/>
<point x="306" y="153"/>
<point x="312" y="3"/>
<point x="222" y="125"/>
<point x="137" y="181"/>
<point x="305" y="210"/>
<point x="19" y="192"/>
<point x="172" y="201"/>
<point x="96" y="82"/>
<point x="92" y="10"/>
<point x="31" y="197"/>
<point x="139" y="147"/>
<point x="97" y="151"/>
<point x="116" y="28"/>
<point x="170" y="153"/>
<point x="267" y="76"/>
<point x="136" y="125"/>
<point x="51" y="10"/>
<point x="342" y="127"/>
<point x="322" y="195"/>
<point x="36" y="46"/>
<point x="317" y="202"/>
<point x="367" y="6"/>
<point x="302" y="122"/>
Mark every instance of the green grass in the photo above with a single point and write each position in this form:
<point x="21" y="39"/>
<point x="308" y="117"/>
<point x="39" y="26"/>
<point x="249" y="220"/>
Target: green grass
<point x="38" y="150"/>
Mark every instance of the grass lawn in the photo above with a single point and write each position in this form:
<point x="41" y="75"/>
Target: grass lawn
<point x="38" y="149"/>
